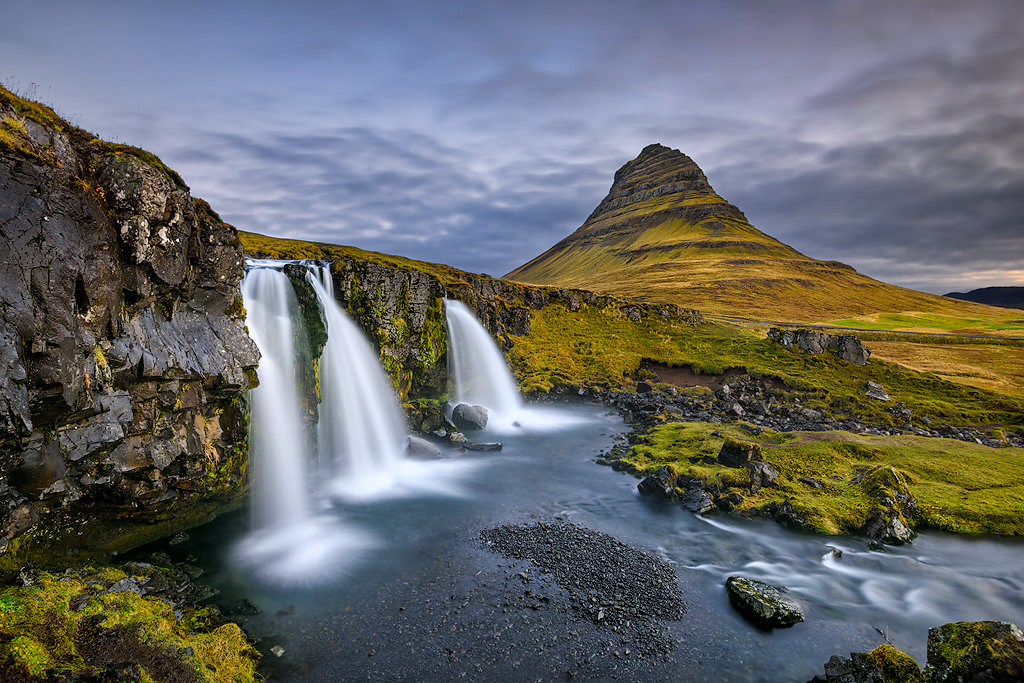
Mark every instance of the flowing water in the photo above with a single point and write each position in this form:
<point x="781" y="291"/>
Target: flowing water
<point x="395" y="584"/>
<point x="426" y="601"/>
<point x="478" y="367"/>
<point x="358" y="438"/>
<point x="279" y="454"/>
<point x="361" y="431"/>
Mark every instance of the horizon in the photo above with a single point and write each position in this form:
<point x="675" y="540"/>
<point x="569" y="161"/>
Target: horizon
<point x="888" y="138"/>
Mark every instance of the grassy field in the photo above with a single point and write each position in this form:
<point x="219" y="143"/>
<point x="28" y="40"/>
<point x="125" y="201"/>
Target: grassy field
<point x="598" y="347"/>
<point x="1001" y="322"/>
<point x="959" y="487"/>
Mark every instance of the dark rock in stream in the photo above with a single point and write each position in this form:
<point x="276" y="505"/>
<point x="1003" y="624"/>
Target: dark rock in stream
<point x="763" y="604"/>
<point x="661" y="484"/>
<point x="469" y="417"/>
<point x="482" y="446"/>
<point x="615" y="586"/>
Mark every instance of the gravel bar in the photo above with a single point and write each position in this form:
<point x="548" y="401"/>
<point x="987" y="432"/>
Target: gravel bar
<point x="615" y="586"/>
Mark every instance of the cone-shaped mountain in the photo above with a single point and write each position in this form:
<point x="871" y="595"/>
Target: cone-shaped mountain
<point x="663" y="234"/>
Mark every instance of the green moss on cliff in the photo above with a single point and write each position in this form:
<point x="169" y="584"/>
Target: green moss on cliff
<point x="119" y="151"/>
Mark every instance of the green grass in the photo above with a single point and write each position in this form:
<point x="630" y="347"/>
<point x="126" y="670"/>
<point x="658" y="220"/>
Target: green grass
<point x="1010" y="323"/>
<point x="960" y="487"/>
<point x="600" y="346"/>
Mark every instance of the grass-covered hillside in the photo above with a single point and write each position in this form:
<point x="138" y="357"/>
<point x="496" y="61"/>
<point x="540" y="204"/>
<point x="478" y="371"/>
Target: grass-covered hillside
<point x="663" y="234"/>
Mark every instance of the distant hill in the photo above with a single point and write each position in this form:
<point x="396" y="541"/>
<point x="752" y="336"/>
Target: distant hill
<point x="663" y="234"/>
<point x="1007" y="297"/>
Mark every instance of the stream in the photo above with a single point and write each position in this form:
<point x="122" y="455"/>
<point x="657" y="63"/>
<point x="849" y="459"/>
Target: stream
<point x="407" y="591"/>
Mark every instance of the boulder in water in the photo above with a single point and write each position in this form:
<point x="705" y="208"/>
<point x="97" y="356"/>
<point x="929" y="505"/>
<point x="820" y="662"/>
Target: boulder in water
<point x="661" y="484"/>
<point x="421" y="449"/>
<point x="482" y="446"/>
<point x="466" y="417"/>
<point x="763" y="604"/>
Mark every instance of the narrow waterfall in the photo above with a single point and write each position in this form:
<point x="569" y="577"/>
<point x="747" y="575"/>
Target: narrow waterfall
<point x="478" y="366"/>
<point x="361" y="431"/>
<point x="280" y="496"/>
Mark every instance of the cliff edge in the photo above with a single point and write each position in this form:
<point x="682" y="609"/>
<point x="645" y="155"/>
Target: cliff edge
<point x="124" y="360"/>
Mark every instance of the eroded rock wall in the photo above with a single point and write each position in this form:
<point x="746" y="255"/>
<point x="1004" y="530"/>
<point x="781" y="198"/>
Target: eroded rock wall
<point x="124" y="361"/>
<point x="402" y="309"/>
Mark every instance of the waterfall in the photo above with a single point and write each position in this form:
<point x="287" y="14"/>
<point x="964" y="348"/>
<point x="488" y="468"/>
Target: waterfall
<point x="478" y="366"/>
<point x="359" y="436"/>
<point x="278" y="453"/>
<point x="361" y="431"/>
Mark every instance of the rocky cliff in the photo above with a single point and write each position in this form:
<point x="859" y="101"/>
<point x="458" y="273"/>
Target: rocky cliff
<point x="123" y="354"/>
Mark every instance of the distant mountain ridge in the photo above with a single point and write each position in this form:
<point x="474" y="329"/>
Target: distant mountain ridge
<point x="1006" y="297"/>
<point x="663" y="234"/>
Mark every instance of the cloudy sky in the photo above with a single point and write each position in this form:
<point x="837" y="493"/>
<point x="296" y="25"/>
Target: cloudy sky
<point x="889" y="135"/>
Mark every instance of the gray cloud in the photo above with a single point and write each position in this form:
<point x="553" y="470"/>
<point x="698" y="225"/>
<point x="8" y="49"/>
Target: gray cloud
<point x="883" y="134"/>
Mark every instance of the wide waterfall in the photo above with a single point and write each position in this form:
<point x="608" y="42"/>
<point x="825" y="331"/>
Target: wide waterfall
<point x="478" y="367"/>
<point x="359" y="435"/>
<point x="361" y="431"/>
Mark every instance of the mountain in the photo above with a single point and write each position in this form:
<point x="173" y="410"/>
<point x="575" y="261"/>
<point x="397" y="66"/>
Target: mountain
<point x="662" y="233"/>
<point x="1007" y="297"/>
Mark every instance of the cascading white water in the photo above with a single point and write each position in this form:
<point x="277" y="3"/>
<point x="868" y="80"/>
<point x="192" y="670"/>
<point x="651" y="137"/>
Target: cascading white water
<point x="361" y="430"/>
<point x="278" y="454"/>
<point x="478" y="366"/>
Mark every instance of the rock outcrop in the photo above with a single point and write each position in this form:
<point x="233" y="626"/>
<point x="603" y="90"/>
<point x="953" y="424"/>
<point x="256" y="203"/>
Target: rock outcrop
<point x="124" y="357"/>
<point x="846" y="346"/>
<point x="958" y="651"/>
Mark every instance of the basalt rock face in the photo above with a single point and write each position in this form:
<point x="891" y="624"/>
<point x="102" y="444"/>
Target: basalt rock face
<point x="123" y="357"/>
<point x="402" y="311"/>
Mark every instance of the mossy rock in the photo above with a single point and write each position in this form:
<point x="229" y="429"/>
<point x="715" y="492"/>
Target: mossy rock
<point x="763" y="604"/>
<point x="93" y="624"/>
<point x="738" y="453"/>
<point x="975" y="651"/>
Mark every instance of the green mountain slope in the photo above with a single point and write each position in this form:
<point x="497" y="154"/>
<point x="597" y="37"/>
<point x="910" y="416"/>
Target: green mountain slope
<point x="664" y="234"/>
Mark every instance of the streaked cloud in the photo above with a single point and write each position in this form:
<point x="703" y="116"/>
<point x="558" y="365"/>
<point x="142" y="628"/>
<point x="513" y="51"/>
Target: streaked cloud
<point x="887" y="135"/>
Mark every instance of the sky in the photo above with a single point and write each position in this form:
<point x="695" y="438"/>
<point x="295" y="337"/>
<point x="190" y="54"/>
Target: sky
<point x="887" y="135"/>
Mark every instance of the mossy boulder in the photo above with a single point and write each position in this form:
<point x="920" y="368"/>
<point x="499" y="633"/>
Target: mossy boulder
<point x="763" y="604"/>
<point x="975" y="651"/>
<point x="738" y="453"/>
<point x="895" y="504"/>
<point x="884" y="664"/>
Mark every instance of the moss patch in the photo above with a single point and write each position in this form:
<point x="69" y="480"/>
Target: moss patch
<point x="959" y="487"/>
<point x="69" y="624"/>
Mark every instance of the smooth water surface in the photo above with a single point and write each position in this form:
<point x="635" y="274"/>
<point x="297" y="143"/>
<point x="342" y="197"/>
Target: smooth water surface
<point x="423" y="599"/>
